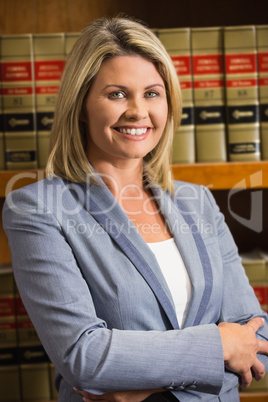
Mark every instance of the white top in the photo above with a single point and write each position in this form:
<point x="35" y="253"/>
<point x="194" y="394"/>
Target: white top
<point x="175" y="273"/>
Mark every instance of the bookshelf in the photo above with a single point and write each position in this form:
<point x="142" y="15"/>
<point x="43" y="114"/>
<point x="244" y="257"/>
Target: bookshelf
<point x="41" y="16"/>
<point x="217" y="176"/>
<point x="220" y="178"/>
<point x="254" y="397"/>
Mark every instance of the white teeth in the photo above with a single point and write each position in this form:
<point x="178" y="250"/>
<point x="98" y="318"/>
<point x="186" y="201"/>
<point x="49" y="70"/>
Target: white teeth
<point x="133" y="131"/>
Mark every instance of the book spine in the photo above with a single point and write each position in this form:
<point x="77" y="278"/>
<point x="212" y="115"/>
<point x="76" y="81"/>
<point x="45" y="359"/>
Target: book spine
<point x="261" y="292"/>
<point x="33" y="360"/>
<point x="9" y="363"/>
<point x="49" y="60"/>
<point x="53" y="390"/>
<point x="256" y="269"/>
<point x="2" y="142"/>
<point x="177" y="44"/>
<point x="262" y="48"/>
<point x="18" y="102"/>
<point x="242" y="93"/>
<point x="209" y="95"/>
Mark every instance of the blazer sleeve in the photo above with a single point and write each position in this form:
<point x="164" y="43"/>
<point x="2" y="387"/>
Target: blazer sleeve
<point x="239" y="303"/>
<point x="84" y="351"/>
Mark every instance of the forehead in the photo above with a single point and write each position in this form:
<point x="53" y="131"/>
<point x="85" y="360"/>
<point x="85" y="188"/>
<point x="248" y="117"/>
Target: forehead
<point x="125" y="70"/>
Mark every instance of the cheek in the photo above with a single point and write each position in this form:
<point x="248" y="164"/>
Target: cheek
<point x="162" y="116"/>
<point x="95" y="122"/>
<point x="103" y="115"/>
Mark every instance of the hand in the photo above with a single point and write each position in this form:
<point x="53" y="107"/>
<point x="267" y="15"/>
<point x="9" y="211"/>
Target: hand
<point x="240" y="348"/>
<point x="119" y="396"/>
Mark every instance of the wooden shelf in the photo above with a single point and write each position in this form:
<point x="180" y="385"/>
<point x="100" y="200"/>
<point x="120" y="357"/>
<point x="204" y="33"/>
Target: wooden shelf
<point x="254" y="396"/>
<point x="217" y="176"/>
<point x="223" y="176"/>
<point x="13" y="179"/>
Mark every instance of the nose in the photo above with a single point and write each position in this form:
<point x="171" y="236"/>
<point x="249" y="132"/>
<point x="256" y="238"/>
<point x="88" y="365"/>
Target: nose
<point x="136" y="109"/>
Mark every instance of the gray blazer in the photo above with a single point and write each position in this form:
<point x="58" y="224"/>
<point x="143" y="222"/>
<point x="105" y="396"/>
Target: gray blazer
<point x="98" y="299"/>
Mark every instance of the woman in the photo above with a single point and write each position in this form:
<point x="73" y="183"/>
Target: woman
<point x="130" y="279"/>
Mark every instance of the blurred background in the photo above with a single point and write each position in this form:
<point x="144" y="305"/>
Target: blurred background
<point x="45" y="16"/>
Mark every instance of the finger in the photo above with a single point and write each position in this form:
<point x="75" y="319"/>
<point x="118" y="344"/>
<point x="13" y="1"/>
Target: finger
<point x="78" y="391"/>
<point x="86" y="395"/>
<point x="255" y="323"/>
<point x="259" y="370"/>
<point x="245" y="379"/>
<point x="262" y="347"/>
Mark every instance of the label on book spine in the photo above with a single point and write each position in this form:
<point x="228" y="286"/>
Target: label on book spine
<point x="244" y="148"/>
<point x="210" y="115"/>
<point x="207" y="64"/>
<point x="17" y="71"/>
<point x="18" y="122"/>
<point x="243" y="114"/>
<point x="20" y="156"/>
<point x="49" y="70"/>
<point x="240" y="63"/>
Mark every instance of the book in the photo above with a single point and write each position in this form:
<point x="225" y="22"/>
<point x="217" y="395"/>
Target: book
<point x="255" y="263"/>
<point x="177" y="43"/>
<point x="53" y="391"/>
<point x="9" y="363"/>
<point x="18" y="102"/>
<point x="242" y="93"/>
<point x="209" y="94"/>
<point x="262" y="49"/>
<point x="2" y="140"/>
<point x="33" y="360"/>
<point x="49" y="60"/>
<point x="255" y="266"/>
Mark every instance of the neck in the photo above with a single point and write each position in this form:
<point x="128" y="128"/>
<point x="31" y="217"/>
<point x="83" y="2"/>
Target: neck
<point x="120" y="177"/>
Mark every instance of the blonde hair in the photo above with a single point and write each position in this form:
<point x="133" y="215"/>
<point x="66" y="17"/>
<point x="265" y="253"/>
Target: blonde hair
<point x="102" y="39"/>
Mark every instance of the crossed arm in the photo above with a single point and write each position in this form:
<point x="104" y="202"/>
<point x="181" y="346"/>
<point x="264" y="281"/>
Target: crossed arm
<point x="240" y="348"/>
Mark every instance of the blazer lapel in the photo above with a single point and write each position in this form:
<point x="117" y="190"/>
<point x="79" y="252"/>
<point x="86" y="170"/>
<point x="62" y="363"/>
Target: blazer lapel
<point x="193" y="252"/>
<point x="107" y="212"/>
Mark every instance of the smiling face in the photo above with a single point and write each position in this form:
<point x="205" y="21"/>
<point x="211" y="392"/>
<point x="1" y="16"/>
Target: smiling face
<point x="125" y="110"/>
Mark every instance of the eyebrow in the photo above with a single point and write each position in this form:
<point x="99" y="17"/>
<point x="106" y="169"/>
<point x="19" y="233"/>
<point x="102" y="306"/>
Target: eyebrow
<point x="124" y="87"/>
